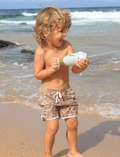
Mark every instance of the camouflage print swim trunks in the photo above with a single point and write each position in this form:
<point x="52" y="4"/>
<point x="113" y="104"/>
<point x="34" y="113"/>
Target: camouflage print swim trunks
<point x="57" y="104"/>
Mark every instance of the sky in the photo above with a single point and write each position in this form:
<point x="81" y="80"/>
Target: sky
<point x="26" y="4"/>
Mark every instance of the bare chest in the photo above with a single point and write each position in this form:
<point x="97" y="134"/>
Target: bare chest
<point x="48" y="57"/>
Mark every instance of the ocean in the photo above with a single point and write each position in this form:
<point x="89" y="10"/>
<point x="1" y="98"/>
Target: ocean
<point x="94" y="31"/>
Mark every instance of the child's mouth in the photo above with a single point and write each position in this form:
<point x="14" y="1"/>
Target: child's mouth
<point x="61" y="40"/>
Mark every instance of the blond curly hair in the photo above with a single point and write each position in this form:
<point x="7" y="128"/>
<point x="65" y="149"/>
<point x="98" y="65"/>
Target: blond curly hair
<point x="48" y="19"/>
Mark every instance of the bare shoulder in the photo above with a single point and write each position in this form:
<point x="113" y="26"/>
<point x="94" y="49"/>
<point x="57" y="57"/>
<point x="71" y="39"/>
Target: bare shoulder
<point x="39" y="54"/>
<point x="68" y="46"/>
<point x="39" y="51"/>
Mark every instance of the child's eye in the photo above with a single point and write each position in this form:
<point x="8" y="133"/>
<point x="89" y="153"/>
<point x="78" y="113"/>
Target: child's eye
<point x="61" y="30"/>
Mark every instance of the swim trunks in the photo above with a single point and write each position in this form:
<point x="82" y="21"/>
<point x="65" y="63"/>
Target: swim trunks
<point x="57" y="104"/>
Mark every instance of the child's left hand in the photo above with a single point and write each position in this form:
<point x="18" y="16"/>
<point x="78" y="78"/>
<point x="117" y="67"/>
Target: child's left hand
<point x="81" y="65"/>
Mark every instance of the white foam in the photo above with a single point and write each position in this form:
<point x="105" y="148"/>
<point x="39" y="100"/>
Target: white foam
<point x="30" y="22"/>
<point x="116" y="62"/>
<point x="17" y="43"/>
<point x="15" y="63"/>
<point x="34" y="95"/>
<point x="90" y="17"/>
<point x="78" y="17"/>
<point x="96" y="15"/>
<point x="25" y="76"/>
<point x="107" y="110"/>
<point x="110" y="111"/>
<point x="117" y="69"/>
<point x="29" y="14"/>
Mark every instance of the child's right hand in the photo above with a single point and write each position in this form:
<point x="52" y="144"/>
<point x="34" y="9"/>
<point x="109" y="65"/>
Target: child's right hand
<point x="55" y="64"/>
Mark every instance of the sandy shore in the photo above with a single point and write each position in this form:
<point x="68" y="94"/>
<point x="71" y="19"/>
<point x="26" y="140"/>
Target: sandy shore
<point x="21" y="134"/>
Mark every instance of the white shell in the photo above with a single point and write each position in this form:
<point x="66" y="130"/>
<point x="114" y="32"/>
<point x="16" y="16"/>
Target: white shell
<point x="70" y="59"/>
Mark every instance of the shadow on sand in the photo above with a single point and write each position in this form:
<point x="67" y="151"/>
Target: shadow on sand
<point x="94" y="136"/>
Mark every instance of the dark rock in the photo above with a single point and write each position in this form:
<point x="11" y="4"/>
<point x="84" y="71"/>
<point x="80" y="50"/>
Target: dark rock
<point x="4" y="43"/>
<point x="27" y="51"/>
<point x="23" y="23"/>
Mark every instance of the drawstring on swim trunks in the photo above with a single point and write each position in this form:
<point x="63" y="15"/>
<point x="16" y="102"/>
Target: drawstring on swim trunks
<point x="57" y="96"/>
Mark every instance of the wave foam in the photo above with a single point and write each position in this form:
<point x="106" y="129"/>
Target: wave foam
<point x="107" y="110"/>
<point x="29" y="14"/>
<point x="26" y="76"/>
<point x="95" y="15"/>
<point x="78" y="18"/>
<point x="17" y="22"/>
<point x="84" y="17"/>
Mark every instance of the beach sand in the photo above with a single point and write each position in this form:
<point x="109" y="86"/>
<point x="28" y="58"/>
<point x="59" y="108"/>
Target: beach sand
<point x="22" y="130"/>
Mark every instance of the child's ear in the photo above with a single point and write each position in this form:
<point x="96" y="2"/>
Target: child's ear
<point x="45" y="33"/>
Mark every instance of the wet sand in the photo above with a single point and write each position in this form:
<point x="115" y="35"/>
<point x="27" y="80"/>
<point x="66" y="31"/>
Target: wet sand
<point x="22" y="130"/>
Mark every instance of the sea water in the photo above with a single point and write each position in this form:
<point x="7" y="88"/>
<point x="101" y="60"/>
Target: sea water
<point x="93" y="30"/>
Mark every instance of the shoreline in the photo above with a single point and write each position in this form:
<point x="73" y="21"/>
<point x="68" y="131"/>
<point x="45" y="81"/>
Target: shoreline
<point x="22" y="133"/>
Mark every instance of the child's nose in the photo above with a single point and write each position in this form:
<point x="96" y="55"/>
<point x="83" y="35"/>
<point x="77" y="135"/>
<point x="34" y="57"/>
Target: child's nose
<point x="64" y="33"/>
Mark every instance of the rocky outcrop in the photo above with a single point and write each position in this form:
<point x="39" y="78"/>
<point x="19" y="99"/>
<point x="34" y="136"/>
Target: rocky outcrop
<point x="23" y="23"/>
<point x="4" y="43"/>
<point x="27" y="51"/>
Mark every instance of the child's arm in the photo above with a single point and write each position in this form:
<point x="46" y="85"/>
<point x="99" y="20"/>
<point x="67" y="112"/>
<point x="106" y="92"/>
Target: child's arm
<point x="81" y="65"/>
<point x="39" y="71"/>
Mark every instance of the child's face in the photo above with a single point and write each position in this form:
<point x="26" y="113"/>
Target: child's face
<point x="57" y="35"/>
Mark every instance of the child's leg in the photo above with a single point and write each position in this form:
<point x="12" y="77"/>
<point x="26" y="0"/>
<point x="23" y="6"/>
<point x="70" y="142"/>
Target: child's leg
<point x="71" y="135"/>
<point x="49" y="136"/>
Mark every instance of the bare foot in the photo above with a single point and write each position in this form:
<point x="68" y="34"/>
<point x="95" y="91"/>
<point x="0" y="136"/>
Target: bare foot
<point x="77" y="154"/>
